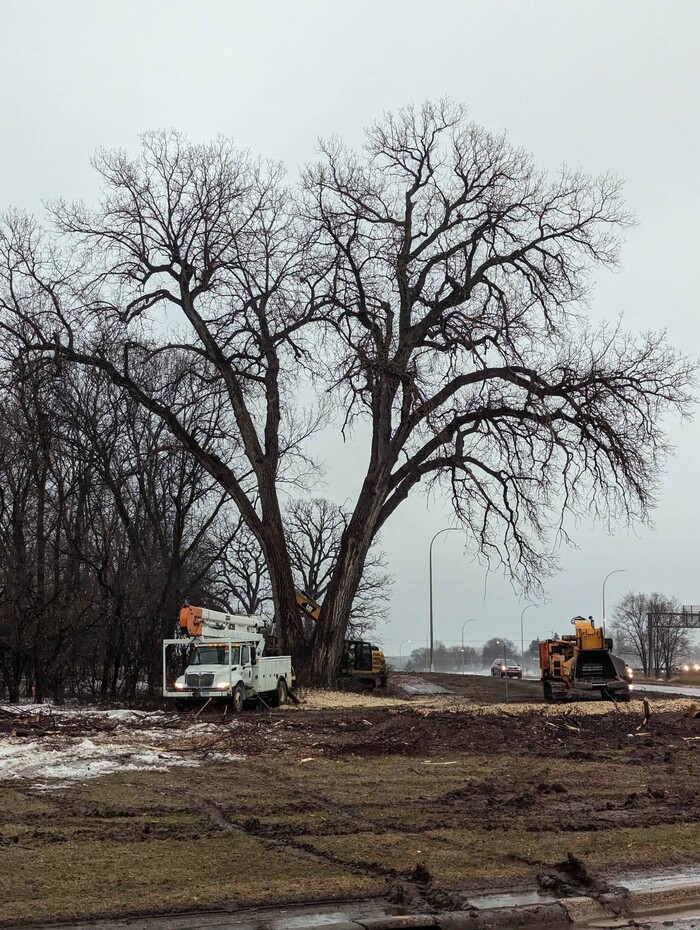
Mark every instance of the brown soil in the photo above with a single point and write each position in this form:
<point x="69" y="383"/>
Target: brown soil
<point x="426" y="800"/>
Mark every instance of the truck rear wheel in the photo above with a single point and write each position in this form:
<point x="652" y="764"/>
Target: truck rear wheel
<point x="282" y="691"/>
<point x="237" y="699"/>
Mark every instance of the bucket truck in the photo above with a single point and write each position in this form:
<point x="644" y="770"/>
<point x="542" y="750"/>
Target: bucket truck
<point x="224" y="655"/>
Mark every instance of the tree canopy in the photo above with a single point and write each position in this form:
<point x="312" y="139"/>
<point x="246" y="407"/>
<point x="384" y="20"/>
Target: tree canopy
<point x="433" y="286"/>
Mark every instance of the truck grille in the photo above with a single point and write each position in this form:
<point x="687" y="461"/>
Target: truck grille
<point x="205" y="680"/>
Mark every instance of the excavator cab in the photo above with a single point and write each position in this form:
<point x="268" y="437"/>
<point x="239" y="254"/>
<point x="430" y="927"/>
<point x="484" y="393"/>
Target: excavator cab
<point x="358" y="657"/>
<point x="363" y="662"/>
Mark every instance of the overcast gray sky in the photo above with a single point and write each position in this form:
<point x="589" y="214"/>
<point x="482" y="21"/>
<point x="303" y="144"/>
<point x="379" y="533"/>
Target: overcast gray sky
<point x="605" y="86"/>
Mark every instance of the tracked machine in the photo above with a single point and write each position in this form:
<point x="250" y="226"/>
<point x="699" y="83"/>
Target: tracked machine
<point x="361" y="663"/>
<point x="583" y="665"/>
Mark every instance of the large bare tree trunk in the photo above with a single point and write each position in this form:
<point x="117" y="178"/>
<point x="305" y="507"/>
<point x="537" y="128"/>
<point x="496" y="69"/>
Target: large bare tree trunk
<point x="325" y="659"/>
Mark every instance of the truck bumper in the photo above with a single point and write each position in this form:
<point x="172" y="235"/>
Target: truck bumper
<point x="204" y="693"/>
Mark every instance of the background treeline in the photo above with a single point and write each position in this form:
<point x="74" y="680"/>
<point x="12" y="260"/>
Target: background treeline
<point x="467" y="658"/>
<point x="107" y="526"/>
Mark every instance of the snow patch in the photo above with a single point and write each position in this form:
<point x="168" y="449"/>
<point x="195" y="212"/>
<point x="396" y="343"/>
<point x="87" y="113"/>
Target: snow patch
<point x="32" y="761"/>
<point x="59" y="759"/>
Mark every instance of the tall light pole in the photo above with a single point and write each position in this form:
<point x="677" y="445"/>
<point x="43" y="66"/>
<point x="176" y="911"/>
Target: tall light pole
<point x="522" y="638"/>
<point x="473" y="620"/>
<point x="400" y="645"/>
<point x="447" y="529"/>
<point x="615" y="572"/>
<point x="505" y="664"/>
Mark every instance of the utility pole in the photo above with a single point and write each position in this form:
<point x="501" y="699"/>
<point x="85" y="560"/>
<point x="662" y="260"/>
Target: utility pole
<point x="615" y="572"/>
<point x="447" y="529"/>
<point x="522" y="639"/>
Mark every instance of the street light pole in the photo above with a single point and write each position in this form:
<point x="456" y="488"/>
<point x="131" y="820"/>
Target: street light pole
<point x="522" y="638"/>
<point x="615" y="572"/>
<point x="473" y="620"/>
<point x="400" y="645"/>
<point x="447" y="529"/>
<point x="500" y="642"/>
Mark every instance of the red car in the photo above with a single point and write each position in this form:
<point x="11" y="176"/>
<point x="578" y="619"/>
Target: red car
<point x="506" y="668"/>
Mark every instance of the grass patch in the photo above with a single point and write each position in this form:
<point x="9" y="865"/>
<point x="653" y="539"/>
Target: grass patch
<point x="499" y="800"/>
<point x="84" y="879"/>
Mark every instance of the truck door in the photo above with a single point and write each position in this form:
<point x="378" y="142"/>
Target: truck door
<point x="246" y="667"/>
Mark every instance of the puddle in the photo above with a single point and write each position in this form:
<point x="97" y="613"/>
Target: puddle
<point x="657" y="881"/>
<point x="282" y="919"/>
<point x="509" y="898"/>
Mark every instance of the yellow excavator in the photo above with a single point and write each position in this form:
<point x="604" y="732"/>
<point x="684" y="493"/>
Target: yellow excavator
<point x="361" y="662"/>
<point x="583" y="664"/>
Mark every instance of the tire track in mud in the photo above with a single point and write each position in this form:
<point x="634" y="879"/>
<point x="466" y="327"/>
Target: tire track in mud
<point x="282" y="842"/>
<point x="416" y="887"/>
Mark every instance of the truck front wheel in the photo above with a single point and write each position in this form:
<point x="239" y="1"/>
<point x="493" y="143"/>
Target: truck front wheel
<point x="237" y="698"/>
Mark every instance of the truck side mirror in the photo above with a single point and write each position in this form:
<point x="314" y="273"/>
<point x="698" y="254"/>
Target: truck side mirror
<point x="252" y="655"/>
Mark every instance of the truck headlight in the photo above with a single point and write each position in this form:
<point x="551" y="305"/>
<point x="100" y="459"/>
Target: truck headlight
<point x="180" y="685"/>
<point x="223" y="685"/>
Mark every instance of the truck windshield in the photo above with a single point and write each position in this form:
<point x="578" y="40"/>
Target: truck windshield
<point x="210" y="655"/>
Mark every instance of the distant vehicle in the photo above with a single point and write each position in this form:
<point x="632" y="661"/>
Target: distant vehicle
<point x="688" y="667"/>
<point x="506" y="668"/>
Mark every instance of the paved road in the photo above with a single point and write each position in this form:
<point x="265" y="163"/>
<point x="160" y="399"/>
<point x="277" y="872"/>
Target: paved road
<point x="686" y="691"/>
<point x="640" y="688"/>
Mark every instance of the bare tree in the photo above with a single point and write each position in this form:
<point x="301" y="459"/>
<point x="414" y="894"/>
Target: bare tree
<point x="497" y="649"/>
<point x="242" y="580"/>
<point x="631" y="628"/>
<point x="315" y="529"/>
<point x="650" y="627"/>
<point x="456" y="331"/>
<point x="105" y="527"/>
<point x="445" y="278"/>
<point x="195" y="252"/>
<point x="667" y="633"/>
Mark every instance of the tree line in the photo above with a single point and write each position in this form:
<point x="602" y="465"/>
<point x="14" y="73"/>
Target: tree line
<point x="107" y="526"/>
<point x="431" y="288"/>
<point x="467" y="658"/>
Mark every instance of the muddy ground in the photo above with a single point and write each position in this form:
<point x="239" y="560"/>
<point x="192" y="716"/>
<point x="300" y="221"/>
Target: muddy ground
<point x="423" y="800"/>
